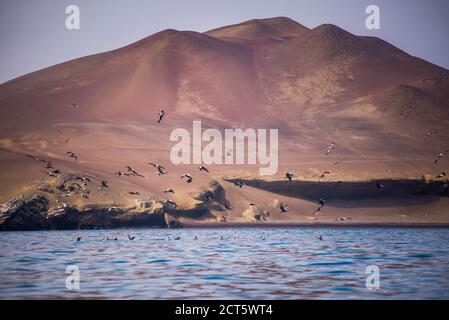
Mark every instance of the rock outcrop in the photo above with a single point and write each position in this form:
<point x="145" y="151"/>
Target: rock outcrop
<point x="25" y="212"/>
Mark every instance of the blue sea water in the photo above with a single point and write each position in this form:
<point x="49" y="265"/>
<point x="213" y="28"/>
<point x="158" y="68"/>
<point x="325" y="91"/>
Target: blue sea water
<point x="232" y="263"/>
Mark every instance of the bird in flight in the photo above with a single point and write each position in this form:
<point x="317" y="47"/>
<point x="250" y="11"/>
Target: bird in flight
<point x="428" y="134"/>
<point x="289" y="175"/>
<point x="324" y="174"/>
<point x="72" y="155"/>
<point x="76" y="105"/>
<point x="169" y="190"/>
<point x="133" y="172"/>
<point x="203" y="168"/>
<point x="440" y="155"/>
<point x="330" y="148"/>
<point x="188" y="177"/>
<point x="161" y="115"/>
<point x="160" y="169"/>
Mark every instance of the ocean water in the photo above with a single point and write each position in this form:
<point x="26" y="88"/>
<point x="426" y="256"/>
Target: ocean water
<point x="234" y="263"/>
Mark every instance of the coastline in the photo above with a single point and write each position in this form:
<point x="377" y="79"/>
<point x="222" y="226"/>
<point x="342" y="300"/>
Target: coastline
<point x="220" y="225"/>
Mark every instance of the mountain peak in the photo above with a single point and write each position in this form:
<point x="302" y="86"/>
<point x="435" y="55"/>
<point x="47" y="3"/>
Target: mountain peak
<point x="257" y="29"/>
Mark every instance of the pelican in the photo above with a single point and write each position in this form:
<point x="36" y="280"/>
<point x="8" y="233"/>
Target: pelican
<point x="133" y="172"/>
<point x="203" y="168"/>
<point x="188" y="176"/>
<point x="428" y="134"/>
<point x="159" y="168"/>
<point x="324" y="174"/>
<point x="330" y="148"/>
<point x="440" y="155"/>
<point x="72" y="155"/>
<point x="283" y="207"/>
<point x="161" y="115"/>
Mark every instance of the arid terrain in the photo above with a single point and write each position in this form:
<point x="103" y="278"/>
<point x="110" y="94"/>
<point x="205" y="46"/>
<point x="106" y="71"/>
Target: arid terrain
<point x="386" y="112"/>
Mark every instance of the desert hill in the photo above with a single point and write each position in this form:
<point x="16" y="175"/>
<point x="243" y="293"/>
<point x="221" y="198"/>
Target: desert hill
<point x="317" y="86"/>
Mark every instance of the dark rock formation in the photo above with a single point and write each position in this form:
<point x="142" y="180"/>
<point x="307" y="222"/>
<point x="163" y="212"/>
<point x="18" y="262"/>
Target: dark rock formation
<point x="26" y="212"/>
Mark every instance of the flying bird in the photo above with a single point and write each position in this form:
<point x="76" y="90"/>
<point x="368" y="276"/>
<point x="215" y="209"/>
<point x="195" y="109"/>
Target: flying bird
<point x="119" y="173"/>
<point x="324" y="174"/>
<point x="104" y="184"/>
<point x="188" y="177"/>
<point x="330" y="148"/>
<point x="52" y="173"/>
<point x="76" y="105"/>
<point x="72" y="155"/>
<point x="319" y="237"/>
<point x="283" y="207"/>
<point x="440" y="155"/>
<point x="441" y="175"/>
<point x="161" y="115"/>
<point x="160" y="169"/>
<point x="203" y="168"/>
<point x="169" y="190"/>
<point x="428" y="134"/>
<point x="289" y="175"/>
<point x="134" y="193"/>
<point x="133" y="172"/>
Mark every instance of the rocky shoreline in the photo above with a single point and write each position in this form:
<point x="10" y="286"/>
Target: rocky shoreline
<point x="32" y="212"/>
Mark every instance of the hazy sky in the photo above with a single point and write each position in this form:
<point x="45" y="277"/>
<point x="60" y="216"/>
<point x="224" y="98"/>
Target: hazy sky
<point x="33" y="33"/>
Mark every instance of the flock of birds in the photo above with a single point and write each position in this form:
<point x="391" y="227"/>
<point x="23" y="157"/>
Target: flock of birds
<point x="188" y="178"/>
<point x="115" y="237"/>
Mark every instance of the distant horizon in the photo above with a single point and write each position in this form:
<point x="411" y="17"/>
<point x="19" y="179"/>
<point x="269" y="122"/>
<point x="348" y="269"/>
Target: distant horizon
<point x="40" y="40"/>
